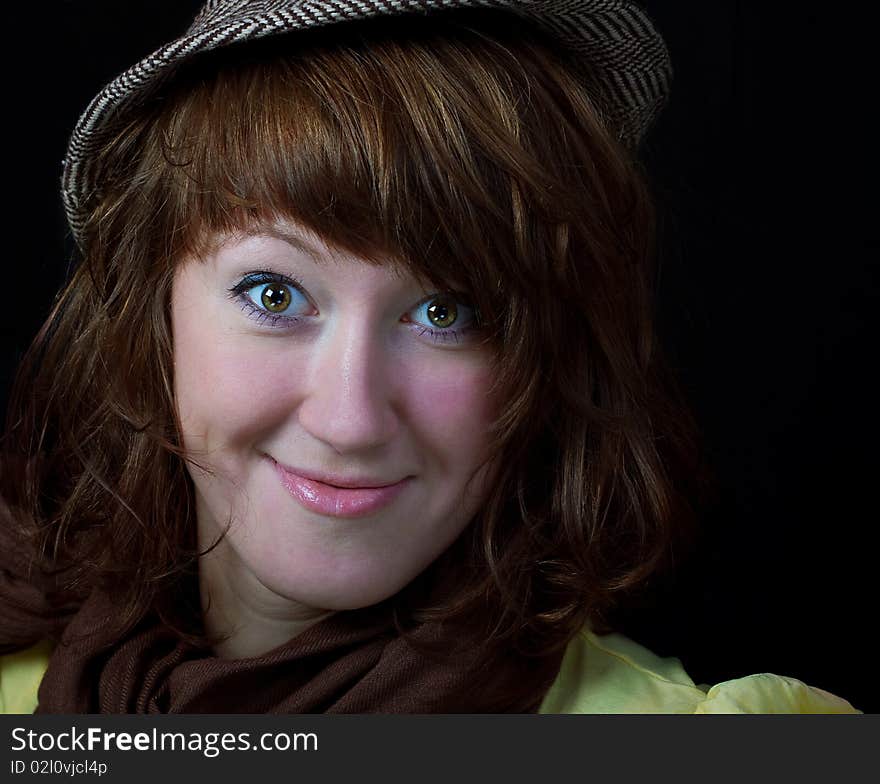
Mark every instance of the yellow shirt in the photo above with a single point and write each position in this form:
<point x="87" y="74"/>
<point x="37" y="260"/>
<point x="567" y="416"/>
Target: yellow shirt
<point x="613" y="674"/>
<point x="599" y="674"/>
<point x="20" y="676"/>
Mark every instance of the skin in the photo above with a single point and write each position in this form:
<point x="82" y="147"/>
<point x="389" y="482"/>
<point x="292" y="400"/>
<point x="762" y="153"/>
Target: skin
<point x="354" y="388"/>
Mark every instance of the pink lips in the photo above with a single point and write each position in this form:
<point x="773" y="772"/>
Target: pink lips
<point x="335" y="501"/>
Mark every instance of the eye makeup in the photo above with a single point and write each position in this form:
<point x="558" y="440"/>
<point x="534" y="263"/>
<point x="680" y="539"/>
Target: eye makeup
<point x="461" y="319"/>
<point x="264" y="278"/>
<point x="440" y="307"/>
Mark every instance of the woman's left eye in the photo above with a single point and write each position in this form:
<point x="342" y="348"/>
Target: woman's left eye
<point x="445" y="318"/>
<point x="271" y="298"/>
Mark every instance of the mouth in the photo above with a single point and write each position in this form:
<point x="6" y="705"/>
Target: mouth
<point x="339" y="496"/>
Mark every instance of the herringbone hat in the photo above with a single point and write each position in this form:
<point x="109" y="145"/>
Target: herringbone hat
<point x="619" y="46"/>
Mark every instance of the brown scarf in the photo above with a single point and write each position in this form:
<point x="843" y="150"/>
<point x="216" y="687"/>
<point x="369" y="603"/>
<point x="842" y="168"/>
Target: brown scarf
<point x="351" y="662"/>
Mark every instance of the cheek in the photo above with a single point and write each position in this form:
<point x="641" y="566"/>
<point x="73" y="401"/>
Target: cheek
<point x="226" y="390"/>
<point x="453" y="402"/>
<point x="453" y="410"/>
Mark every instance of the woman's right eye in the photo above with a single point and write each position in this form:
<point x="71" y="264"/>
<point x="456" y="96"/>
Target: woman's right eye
<point x="271" y="298"/>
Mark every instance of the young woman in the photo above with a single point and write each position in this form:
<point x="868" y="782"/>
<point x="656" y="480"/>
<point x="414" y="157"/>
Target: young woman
<point x="354" y="401"/>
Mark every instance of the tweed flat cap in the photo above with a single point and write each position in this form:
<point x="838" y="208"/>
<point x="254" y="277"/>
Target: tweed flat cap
<point x="619" y="46"/>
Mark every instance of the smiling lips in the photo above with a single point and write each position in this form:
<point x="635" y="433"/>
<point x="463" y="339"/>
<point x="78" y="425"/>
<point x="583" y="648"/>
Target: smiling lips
<point x="357" y="498"/>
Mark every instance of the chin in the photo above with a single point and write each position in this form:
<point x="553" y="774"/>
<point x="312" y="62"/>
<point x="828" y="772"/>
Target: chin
<point x="342" y="590"/>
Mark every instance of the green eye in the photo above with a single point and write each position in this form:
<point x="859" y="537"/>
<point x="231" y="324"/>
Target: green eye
<point x="442" y="312"/>
<point x="275" y="298"/>
<point x="444" y="318"/>
<point x="270" y="298"/>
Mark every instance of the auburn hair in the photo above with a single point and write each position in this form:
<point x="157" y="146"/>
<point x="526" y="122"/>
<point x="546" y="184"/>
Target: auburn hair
<point x="468" y="152"/>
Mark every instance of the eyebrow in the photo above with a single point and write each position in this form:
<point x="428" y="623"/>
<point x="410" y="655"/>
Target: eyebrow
<point x="293" y="239"/>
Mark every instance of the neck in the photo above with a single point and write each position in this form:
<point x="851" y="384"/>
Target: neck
<point x="245" y="617"/>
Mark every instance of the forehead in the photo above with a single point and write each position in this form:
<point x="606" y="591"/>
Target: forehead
<point x="285" y="240"/>
<point x="285" y="235"/>
<point x="289" y="248"/>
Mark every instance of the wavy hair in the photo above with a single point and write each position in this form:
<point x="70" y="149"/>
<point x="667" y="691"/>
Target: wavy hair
<point x="472" y="154"/>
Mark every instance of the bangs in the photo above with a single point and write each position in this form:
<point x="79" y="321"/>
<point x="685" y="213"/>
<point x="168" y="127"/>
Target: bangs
<point x="401" y="144"/>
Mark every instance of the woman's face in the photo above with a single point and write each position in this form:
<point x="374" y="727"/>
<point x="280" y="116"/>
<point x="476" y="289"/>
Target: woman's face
<point x="342" y="408"/>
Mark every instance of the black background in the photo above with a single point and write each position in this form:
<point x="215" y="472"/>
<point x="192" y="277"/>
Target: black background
<point x="763" y="168"/>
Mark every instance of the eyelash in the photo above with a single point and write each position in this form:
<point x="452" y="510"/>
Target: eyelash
<point x="274" y="320"/>
<point x="238" y="293"/>
<point x="442" y="335"/>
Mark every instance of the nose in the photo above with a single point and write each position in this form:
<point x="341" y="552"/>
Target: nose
<point x="350" y="402"/>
